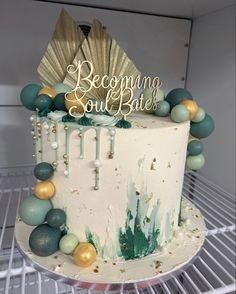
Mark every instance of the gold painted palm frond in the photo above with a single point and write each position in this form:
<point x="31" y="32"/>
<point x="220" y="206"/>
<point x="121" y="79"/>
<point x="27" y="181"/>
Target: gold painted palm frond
<point x="61" y="50"/>
<point x="107" y="57"/>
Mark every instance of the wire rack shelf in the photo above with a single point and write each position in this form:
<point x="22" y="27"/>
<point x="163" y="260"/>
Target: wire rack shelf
<point x="213" y="271"/>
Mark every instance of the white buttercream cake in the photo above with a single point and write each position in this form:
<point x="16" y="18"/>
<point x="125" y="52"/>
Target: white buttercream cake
<point x="120" y="188"/>
<point x="110" y="163"/>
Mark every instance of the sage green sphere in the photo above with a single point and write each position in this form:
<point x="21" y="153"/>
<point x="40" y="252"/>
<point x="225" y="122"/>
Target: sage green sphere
<point x="195" y="162"/>
<point x="42" y="102"/>
<point x="56" y="217"/>
<point x="61" y="88"/>
<point x="153" y="95"/>
<point x="33" y="210"/>
<point x="200" y="115"/>
<point x="43" y="171"/>
<point x="44" y="240"/>
<point x="195" y="147"/>
<point x="29" y="94"/>
<point x="179" y="113"/>
<point x="162" y="109"/>
<point x="177" y="95"/>
<point x="68" y="243"/>
<point x="203" y="128"/>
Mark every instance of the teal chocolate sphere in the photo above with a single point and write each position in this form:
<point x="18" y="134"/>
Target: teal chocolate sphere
<point x="42" y="102"/>
<point x="61" y="88"/>
<point x="195" y="162"/>
<point x="59" y="102"/>
<point x="200" y="115"/>
<point x="203" y="128"/>
<point x="44" y="240"/>
<point x="33" y="210"/>
<point x="43" y="171"/>
<point x="56" y="217"/>
<point x="29" y="94"/>
<point x="163" y="108"/>
<point x="179" y="113"/>
<point x="195" y="147"/>
<point x="68" y="243"/>
<point x="177" y="95"/>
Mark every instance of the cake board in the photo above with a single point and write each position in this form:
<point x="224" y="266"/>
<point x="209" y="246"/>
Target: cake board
<point x="171" y="260"/>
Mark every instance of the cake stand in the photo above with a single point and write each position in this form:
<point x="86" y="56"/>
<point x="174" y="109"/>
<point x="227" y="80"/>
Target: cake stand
<point x="123" y="275"/>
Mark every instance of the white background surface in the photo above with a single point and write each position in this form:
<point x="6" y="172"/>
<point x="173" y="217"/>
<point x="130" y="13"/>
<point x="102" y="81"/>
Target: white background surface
<point x="211" y="80"/>
<point x="182" y="8"/>
<point x="156" y="45"/>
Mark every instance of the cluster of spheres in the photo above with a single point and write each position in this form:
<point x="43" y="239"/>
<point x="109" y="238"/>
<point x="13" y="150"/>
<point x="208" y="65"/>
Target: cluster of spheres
<point x="50" y="232"/>
<point x="181" y="107"/>
<point x="45" y="99"/>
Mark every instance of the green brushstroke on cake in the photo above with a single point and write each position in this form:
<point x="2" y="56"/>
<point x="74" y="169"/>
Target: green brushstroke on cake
<point x="180" y="218"/>
<point x="110" y="250"/>
<point x="140" y="235"/>
<point x="169" y="227"/>
<point x="90" y="237"/>
<point x="139" y="238"/>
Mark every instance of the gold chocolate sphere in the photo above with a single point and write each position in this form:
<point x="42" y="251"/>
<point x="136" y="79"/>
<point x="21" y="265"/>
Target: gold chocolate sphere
<point x="71" y="100"/>
<point x="44" y="190"/>
<point x="84" y="254"/>
<point x="192" y="107"/>
<point x="48" y="91"/>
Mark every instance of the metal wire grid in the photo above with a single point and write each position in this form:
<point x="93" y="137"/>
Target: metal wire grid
<point x="212" y="272"/>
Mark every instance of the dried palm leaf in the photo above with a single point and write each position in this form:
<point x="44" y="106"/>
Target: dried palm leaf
<point x="107" y="59"/>
<point x="61" y="50"/>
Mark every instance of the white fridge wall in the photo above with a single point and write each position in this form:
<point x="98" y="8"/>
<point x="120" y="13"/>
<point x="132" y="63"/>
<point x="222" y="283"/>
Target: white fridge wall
<point x="211" y="80"/>
<point x="156" y="44"/>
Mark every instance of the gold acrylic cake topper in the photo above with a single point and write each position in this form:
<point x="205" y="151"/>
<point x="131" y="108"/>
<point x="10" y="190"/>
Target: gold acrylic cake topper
<point x="97" y="69"/>
<point x="119" y="91"/>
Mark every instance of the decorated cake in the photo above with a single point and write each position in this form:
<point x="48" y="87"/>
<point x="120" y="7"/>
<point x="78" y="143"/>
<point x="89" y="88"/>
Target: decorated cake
<point x="109" y="163"/>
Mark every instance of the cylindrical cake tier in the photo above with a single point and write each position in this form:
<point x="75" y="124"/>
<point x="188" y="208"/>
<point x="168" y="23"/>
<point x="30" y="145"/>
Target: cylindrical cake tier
<point x="121" y="188"/>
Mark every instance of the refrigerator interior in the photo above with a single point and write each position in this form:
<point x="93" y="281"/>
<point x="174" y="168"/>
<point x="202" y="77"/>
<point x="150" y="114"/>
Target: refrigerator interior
<point x="191" y="45"/>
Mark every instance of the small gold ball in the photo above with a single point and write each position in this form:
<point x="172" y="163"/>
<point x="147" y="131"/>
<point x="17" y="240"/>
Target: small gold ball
<point x="34" y="137"/>
<point x="53" y="131"/>
<point x="192" y="106"/>
<point x="84" y="254"/>
<point x="38" y="124"/>
<point x="54" y="163"/>
<point x="44" y="190"/>
<point x="65" y="156"/>
<point x="48" y="91"/>
<point x="65" y="128"/>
